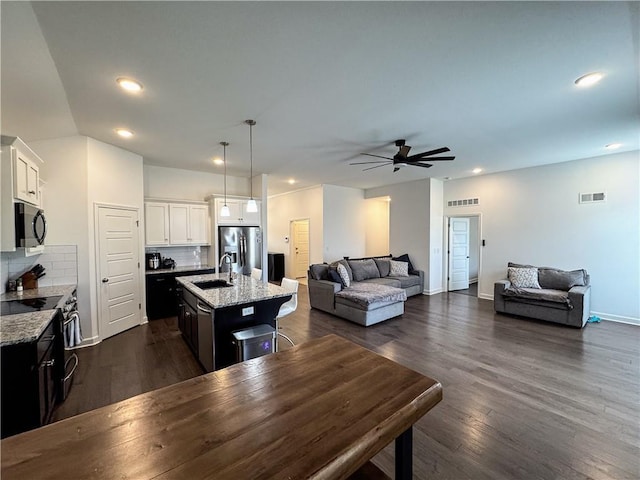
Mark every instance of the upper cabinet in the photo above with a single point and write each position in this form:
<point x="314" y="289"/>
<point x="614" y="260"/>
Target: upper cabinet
<point x="173" y="223"/>
<point x="25" y="167"/>
<point x="156" y="223"/>
<point x="238" y="210"/>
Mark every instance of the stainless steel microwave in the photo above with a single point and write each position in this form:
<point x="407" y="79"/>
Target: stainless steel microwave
<point x="31" y="226"/>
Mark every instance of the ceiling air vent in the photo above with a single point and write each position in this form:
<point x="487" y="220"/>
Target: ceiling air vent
<point x="463" y="203"/>
<point x="593" y="197"/>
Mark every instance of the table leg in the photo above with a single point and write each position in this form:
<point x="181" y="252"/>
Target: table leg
<point x="404" y="455"/>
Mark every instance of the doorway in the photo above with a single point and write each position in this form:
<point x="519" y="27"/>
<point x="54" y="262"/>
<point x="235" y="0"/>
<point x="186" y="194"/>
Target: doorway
<point x="463" y="263"/>
<point x="300" y="248"/>
<point x="118" y="269"/>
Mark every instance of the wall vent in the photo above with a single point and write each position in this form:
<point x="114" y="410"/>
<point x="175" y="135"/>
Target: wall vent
<point x="592" y="197"/>
<point x="463" y="203"/>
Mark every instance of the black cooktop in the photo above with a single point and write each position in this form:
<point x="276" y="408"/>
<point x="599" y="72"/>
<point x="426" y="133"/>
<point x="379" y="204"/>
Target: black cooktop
<point x="11" y="307"/>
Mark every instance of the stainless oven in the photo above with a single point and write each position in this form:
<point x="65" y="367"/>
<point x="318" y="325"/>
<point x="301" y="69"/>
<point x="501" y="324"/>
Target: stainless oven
<point x="31" y="226"/>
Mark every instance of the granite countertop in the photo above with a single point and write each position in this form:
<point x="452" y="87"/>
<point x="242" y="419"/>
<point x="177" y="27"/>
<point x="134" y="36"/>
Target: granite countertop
<point x="179" y="269"/>
<point x="244" y="290"/>
<point x="27" y="327"/>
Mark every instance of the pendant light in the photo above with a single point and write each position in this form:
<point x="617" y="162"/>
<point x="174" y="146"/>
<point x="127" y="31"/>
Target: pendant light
<point x="252" y="206"/>
<point x="224" y="211"/>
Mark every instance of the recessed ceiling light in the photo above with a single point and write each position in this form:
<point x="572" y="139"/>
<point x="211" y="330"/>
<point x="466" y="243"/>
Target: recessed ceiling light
<point x="612" y="146"/>
<point x="589" y="79"/>
<point x="476" y="170"/>
<point x="123" y="132"/>
<point x="291" y="181"/>
<point x="218" y="161"/>
<point x="129" y="84"/>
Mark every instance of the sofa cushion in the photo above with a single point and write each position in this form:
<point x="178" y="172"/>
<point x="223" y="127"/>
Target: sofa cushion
<point x="334" y="276"/>
<point x="399" y="269"/>
<point x="560" y="279"/>
<point x="390" y="282"/>
<point x="520" y="265"/>
<point x="319" y="271"/>
<point x="365" y="294"/>
<point x="364" y="269"/>
<point x="408" y="281"/>
<point x="523" y="277"/>
<point x="539" y="296"/>
<point x="344" y="275"/>
<point x="383" y="266"/>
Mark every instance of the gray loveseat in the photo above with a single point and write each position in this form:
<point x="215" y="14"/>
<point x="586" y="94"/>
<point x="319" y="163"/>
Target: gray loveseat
<point x="560" y="296"/>
<point x="372" y="296"/>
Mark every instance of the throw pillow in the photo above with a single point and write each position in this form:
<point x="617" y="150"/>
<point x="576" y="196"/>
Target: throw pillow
<point x="345" y="264"/>
<point x="364" y="269"/>
<point x="523" y="277"/>
<point x="319" y="271"/>
<point x="383" y="266"/>
<point x="344" y="275"/>
<point x="398" y="269"/>
<point x="334" y="276"/>
<point x="561" y="280"/>
<point x="404" y="258"/>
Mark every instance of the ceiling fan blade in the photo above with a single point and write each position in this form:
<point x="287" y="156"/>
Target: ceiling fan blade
<point x="377" y="166"/>
<point x="430" y="152"/>
<point x="404" y="150"/>
<point x="423" y="165"/>
<point x="372" y="161"/>
<point x="431" y="159"/>
<point x="378" y="156"/>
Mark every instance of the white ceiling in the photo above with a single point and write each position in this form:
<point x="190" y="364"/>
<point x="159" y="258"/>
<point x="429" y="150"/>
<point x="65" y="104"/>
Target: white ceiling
<point x="326" y="81"/>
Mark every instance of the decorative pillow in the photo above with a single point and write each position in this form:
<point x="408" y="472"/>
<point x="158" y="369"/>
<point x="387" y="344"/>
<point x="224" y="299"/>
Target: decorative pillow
<point x="345" y="264"/>
<point x="364" y="269"/>
<point x="561" y="280"/>
<point x="398" y="269"/>
<point x="523" y="277"/>
<point x="383" y="266"/>
<point x="404" y="258"/>
<point x="334" y="276"/>
<point x="319" y="271"/>
<point x="344" y="275"/>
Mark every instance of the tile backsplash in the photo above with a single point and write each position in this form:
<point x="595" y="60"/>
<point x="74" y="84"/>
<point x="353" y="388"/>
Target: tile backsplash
<point x="184" y="256"/>
<point x="60" y="263"/>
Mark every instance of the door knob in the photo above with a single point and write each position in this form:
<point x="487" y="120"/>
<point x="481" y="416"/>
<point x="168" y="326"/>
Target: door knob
<point x="105" y="280"/>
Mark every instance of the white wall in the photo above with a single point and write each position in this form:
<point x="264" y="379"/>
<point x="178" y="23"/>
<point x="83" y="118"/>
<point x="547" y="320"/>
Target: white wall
<point x="434" y="275"/>
<point x="282" y="209"/>
<point x="376" y="227"/>
<point x="344" y="222"/>
<point x="179" y="184"/>
<point x="533" y="216"/>
<point x="474" y="251"/>
<point x="409" y="221"/>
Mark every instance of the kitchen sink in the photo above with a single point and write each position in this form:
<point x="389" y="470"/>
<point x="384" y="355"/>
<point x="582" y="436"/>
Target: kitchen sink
<point x="210" y="284"/>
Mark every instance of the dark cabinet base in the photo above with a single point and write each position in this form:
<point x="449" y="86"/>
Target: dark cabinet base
<point x="163" y="294"/>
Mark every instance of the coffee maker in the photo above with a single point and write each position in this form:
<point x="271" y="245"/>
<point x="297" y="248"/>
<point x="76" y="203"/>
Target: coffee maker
<point x="153" y="260"/>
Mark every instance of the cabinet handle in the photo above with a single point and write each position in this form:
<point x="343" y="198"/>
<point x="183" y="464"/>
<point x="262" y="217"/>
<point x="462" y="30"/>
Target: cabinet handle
<point x="105" y="280"/>
<point x="49" y="363"/>
<point x="203" y="309"/>
<point x="31" y="192"/>
<point x="48" y="338"/>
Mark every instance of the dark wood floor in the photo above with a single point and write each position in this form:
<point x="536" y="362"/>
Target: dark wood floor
<point x="522" y="399"/>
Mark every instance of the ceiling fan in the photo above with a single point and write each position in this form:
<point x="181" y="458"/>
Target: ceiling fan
<point x="401" y="159"/>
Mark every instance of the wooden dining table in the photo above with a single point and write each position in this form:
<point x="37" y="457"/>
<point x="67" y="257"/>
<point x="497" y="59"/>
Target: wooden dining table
<point x="320" y="410"/>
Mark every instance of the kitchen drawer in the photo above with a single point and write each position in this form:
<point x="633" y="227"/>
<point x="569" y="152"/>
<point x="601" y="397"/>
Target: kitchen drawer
<point x="46" y="341"/>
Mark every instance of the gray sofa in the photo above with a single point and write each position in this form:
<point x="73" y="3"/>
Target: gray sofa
<point x="561" y="296"/>
<point x="372" y="296"/>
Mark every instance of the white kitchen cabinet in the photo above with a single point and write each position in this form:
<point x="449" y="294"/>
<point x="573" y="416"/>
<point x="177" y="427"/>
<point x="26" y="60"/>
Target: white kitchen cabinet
<point x="239" y="214"/>
<point x="25" y="167"/>
<point x="173" y="223"/>
<point x="156" y="223"/>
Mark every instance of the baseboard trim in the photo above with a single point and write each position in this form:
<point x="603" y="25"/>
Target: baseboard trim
<point x="89" y="342"/>
<point x="610" y="317"/>
<point x="485" y="296"/>
<point x="432" y="292"/>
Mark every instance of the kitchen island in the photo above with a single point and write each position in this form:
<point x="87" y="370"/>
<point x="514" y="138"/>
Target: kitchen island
<point x="207" y="317"/>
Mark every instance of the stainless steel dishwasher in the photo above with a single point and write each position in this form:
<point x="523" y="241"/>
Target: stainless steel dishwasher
<point x="205" y="335"/>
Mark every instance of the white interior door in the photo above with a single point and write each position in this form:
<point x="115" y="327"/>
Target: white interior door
<point x="118" y="270"/>
<point x="458" y="254"/>
<point x="300" y="236"/>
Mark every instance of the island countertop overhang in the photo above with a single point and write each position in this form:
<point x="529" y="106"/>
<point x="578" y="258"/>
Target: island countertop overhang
<point x="244" y="290"/>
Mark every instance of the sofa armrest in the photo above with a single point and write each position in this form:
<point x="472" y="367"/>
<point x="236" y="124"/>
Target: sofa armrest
<point x="498" y="291"/>
<point x="321" y="294"/>
<point x="421" y="274"/>
<point x="580" y="298"/>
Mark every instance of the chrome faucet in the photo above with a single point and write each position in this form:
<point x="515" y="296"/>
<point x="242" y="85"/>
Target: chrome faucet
<point x="226" y="255"/>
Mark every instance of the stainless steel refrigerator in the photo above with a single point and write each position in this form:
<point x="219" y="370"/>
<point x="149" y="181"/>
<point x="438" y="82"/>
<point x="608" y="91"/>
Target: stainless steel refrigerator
<point x="244" y="244"/>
